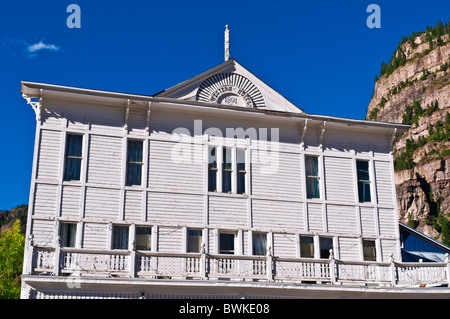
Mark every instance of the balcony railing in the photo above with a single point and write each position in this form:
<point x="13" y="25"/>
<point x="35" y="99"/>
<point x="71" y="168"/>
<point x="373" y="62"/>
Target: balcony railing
<point x="144" y="264"/>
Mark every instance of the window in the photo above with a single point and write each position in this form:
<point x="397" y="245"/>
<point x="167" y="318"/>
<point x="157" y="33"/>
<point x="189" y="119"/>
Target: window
<point x="134" y="163"/>
<point x="369" y="250"/>
<point x="72" y="157"/>
<point x="259" y="244"/>
<point x="312" y="177"/>
<point x="120" y="237"/>
<point x="227" y="172"/>
<point x="194" y="240"/>
<point x="241" y="172"/>
<point x="326" y="244"/>
<point x="363" y="181"/>
<point x="307" y="246"/>
<point x="212" y="169"/>
<point x="143" y="238"/>
<point x="68" y="234"/>
<point x="227" y="169"/>
<point x="226" y="243"/>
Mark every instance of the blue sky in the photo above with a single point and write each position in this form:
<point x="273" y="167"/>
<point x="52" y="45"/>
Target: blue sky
<point x="318" y="54"/>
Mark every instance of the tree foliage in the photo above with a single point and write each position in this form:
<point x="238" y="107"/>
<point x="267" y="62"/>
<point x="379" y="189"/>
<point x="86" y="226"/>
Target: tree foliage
<point x="12" y="243"/>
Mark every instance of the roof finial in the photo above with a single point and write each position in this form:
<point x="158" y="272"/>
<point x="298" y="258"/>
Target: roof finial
<point x="227" y="43"/>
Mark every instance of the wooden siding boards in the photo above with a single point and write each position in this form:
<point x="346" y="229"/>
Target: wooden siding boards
<point x="71" y="201"/>
<point x="227" y="212"/>
<point x="95" y="236"/>
<point x="271" y="214"/>
<point x="174" y="192"/>
<point x="342" y="219"/>
<point x="43" y="232"/>
<point x="49" y="155"/>
<point x="133" y="205"/>
<point x="171" y="170"/>
<point x="105" y="160"/>
<point x="315" y="217"/>
<point x="384" y="183"/>
<point x="172" y="208"/>
<point x="45" y="201"/>
<point x="339" y="180"/>
<point x="102" y="203"/>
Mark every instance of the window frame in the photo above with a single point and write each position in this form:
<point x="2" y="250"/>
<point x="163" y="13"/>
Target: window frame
<point x="237" y="173"/>
<point x="364" y="184"/>
<point x="223" y="251"/>
<point x="72" y="157"/>
<point x="373" y="248"/>
<point x="310" y="178"/>
<point x="303" y="253"/>
<point x="63" y="227"/>
<point x="188" y="242"/>
<point x="131" y="181"/>
<point x="113" y="242"/>
<point x="136" y="237"/>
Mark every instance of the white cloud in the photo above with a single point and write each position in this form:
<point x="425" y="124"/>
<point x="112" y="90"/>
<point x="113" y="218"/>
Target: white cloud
<point x="33" y="49"/>
<point x="42" y="46"/>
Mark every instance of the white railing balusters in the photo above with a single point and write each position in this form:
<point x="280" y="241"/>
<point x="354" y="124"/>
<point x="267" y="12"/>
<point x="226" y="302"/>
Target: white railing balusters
<point x="146" y="264"/>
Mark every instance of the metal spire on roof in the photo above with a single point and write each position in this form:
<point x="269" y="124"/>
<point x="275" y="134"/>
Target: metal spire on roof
<point x="227" y="43"/>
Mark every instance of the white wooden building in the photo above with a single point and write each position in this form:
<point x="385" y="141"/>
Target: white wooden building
<point x="216" y="187"/>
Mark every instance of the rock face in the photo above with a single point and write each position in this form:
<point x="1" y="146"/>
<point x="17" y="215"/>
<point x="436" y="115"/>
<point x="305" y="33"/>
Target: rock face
<point x="416" y="91"/>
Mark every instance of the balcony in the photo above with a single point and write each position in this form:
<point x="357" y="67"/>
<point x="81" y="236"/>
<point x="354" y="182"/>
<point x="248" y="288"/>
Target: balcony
<point x="157" y="265"/>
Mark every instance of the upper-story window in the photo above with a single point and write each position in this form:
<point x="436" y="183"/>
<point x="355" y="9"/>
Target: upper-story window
<point x="134" y="163"/>
<point x="369" y="250"/>
<point x="73" y="157"/>
<point x="312" y="177"/>
<point x="120" y="236"/>
<point x="307" y="246"/>
<point x="194" y="240"/>
<point x="259" y="244"/>
<point x="227" y="169"/>
<point x="226" y="243"/>
<point x="227" y="175"/>
<point x="363" y="181"/>
<point x="68" y="234"/>
<point x="143" y="238"/>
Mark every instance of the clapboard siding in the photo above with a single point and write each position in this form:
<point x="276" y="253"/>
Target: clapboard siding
<point x="175" y="208"/>
<point x="102" y="203"/>
<point x="277" y="214"/>
<point x="388" y="222"/>
<point x="388" y="248"/>
<point x="137" y="118"/>
<point x="49" y="155"/>
<point x="105" y="160"/>
<point x="315" y="217"/>
<point x="228" y="211"/>
<point x="52" y="117"/>
<point x="170" y="239"/>
<point x="133" y="205"/>
<point x="108" y="119"/>
<point x="368" y="220"/>
<point x="349" y="248"/>
<point x="43" y="232"/>
<point x="384" y="183"/>
<point x="171" y="169"/>
<point x="339" y="180"/>
<point x="71" y="201"/>
<point x="342" y="219"/>
<point x="276" y="174"/>
<point x="95" y="236"/>
<point x="45" y="201"/>
<point x="284" y="245"/>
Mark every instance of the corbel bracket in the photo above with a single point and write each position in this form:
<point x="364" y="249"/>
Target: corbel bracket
<point x="322" y="133"/>
<point x="36" y="104"/>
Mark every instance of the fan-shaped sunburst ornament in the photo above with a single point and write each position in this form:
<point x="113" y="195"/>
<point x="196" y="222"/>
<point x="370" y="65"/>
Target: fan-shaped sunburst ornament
<point x="230" y="89"/>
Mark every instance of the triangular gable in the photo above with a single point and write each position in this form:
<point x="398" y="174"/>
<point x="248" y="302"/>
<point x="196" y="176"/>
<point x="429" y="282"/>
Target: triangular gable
<point x="231" y="84"/>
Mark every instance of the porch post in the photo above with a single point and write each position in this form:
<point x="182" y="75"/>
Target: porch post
<point x="269" y="264"/>
<point x="393" y="275"/>
<point x="448" y="267"/>
<point x="203" y="263"/>
<point x="332" y="268"/>
<point x="57" y="257"/>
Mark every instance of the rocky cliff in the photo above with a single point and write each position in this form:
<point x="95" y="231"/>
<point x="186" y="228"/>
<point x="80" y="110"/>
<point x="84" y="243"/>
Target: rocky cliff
<point x="414" y="88"/>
